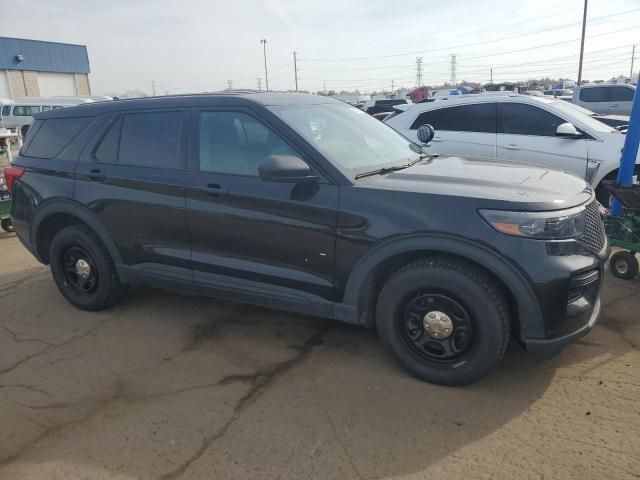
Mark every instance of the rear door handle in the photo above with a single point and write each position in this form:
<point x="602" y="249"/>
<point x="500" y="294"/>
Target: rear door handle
<point x="214" y="190"/>
<point x="511" y="146"/>
<point x="96" y="175"/>
<point x="614" y="105"/>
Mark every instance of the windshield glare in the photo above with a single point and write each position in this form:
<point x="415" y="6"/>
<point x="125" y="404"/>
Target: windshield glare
<point x="353" y="140"/>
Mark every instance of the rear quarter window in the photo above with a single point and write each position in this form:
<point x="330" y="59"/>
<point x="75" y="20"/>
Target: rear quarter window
<point x="53" y="135"/>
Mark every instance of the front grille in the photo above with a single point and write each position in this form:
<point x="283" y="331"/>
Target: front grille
<point x="594" y="237"/>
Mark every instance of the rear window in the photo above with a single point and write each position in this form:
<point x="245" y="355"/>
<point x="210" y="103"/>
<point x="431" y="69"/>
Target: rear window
<point x="53" y="135"/>
<point x="621" y="94"/>
<point x="6" y="110"/>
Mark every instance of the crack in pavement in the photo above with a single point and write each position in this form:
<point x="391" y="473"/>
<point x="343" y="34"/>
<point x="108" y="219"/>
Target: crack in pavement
<point x="31" y="388"/>
<point x="54" y="347"/>
<point x="98" y="406"/>
<point x="260" y="382"/>
<point x="16" y="339"/>
<point x="9" y="288"/>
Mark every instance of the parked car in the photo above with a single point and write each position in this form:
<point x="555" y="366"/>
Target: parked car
<point x="304" y="203"/>
<point x="19" y="115"/>
<point x="605" y="98"/>
<point x="520" y="128"/>
<point x="382" y="106"/>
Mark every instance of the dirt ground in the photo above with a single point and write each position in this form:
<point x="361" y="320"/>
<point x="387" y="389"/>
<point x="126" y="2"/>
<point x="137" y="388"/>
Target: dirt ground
<point x="167" y="387"/>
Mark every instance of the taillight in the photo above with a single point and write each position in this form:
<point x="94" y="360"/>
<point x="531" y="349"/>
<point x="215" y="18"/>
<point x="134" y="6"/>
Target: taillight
<point x="11" y="174"/>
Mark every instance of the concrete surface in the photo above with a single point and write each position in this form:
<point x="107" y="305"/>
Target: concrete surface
<point x="167" y="387"/>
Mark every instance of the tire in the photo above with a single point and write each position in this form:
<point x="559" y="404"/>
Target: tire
<point x="6" y="225"/>
<point x="101" y="288"/>
<point x="467" y="296"/>
<point x="623" y="265"/>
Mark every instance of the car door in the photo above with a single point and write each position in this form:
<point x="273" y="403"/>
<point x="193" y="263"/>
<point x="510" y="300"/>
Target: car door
<point x="467" y="130"/>
<point x="131" y="176"/>
<point x="620" y="100"/>
<point x="594" y="99"/>
<point x="260" y="241"/>
<point x="527" y="134"/>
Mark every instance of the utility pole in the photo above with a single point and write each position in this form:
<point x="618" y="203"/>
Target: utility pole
<point x="584" y="26"/>
<point x="392" y="85"/>
<point x="153" y="86"/>
<point x="491" y="75"/>
<point x="453" y="69"/>
<point x="264" y="52"/>
<point x="259" y="83"/>
<point x="418" y="71"/>
<point x="633" y="56"/>
<point x="295" y="68"/>
<point x="324" y="87"/>
<point x="229" y="84"/>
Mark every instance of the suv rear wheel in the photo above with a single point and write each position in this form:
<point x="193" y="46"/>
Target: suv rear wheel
<point x="83" y="269"/>
<point x="445" y="320"/>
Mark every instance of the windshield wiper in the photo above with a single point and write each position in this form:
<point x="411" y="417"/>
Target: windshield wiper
<point x="383" y="170"/>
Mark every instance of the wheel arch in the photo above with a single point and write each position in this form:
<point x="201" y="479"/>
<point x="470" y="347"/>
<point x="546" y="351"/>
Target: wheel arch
<point x="56" y="214"/>
<point x="383" y="260"/>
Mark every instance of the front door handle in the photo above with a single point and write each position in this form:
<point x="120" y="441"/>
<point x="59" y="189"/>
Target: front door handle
<point x="213" y="189"/>
<point x="614" y="105"/>
<point x="511" y="146"/>
<point x="96" y="175"/>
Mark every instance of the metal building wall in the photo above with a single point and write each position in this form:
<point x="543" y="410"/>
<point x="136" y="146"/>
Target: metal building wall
<point x="43" y="56"/>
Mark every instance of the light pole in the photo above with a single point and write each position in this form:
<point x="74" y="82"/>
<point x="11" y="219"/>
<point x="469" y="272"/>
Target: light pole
<point x="264" y="51"/>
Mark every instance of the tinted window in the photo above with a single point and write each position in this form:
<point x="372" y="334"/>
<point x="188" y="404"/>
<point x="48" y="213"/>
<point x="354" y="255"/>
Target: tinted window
<point x="595" y="94"/>
<point x="53" y="135"/>
<point x="465" y="118"/>
<point x="521" y="119"/>
<point x="621" y="94"/>
<point x="46" y="108"/>
<point x="236" y="143"/>
<point x="391" y="102"/>
<point x="107" y="151"/>
<point x="6" y="110"/>
<point x="25" y="110"/>
<point x="151" y="140"/>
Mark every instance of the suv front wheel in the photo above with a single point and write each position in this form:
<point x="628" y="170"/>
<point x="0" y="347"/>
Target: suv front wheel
<point x="83" y="269"/>
<point x="444" y="319"/>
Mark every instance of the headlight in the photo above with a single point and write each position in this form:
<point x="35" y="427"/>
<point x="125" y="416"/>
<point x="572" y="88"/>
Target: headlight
<point x="540" y="225"/>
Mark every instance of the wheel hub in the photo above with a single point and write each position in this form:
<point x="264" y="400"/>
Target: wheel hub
<point x="622" y="266"/>
<point x="437" y="324"/>
<point x="83" y="269"/>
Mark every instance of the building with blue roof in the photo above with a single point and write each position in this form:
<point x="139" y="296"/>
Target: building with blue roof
<point x="34" y="68"/>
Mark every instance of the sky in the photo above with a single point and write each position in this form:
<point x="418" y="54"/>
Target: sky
<point x="199" y="45"/>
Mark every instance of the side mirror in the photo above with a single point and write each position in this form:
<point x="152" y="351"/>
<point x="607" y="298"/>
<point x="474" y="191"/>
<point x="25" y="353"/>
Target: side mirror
<point x="567" y="130"/>
<point x="285" y="168"/>
<point x="426" y="133"/>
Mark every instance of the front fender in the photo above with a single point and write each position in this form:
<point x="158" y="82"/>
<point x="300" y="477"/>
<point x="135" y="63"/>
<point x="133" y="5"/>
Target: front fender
<point x="529" y="312"/>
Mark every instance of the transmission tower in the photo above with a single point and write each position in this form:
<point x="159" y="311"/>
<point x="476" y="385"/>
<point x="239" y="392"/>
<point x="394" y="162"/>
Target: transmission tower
<point x="259" y="83"/>
<point x="419" y="72"/>
<point x="453" y="69"/>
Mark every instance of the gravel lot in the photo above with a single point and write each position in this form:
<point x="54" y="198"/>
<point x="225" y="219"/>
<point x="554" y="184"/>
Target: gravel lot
<point x="167" y="386"/>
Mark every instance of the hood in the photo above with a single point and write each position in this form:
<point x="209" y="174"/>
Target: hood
<point x="497" y="184"/>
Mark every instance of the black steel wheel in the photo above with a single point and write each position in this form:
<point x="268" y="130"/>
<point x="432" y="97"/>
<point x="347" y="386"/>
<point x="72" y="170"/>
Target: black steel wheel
<point x="83" y="270"/>
<point x="436" y="327"/>
<point x="444" y="319"/>
<point x="624" y="265"/>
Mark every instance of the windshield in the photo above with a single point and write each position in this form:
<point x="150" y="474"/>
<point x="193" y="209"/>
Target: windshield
<point x="354" y="141"/>
<point x="584" y="115"/>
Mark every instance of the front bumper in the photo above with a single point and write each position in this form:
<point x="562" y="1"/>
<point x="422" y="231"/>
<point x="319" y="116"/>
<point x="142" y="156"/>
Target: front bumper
<point x="551" y="346"/>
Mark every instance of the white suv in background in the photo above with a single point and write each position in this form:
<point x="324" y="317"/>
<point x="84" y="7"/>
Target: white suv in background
<point x="605" y="98"/>
<point x="519" y="128"/>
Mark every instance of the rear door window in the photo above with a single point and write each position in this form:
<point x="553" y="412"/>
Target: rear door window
<point x="479" y="118"/>
<point x="53" y="136"/>
<point x="595" y="94"/>
<point x="522" y="119"/>
<point x="151" y="139"/>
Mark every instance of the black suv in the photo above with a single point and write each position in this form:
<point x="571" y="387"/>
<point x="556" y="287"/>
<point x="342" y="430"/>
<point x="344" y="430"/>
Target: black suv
<point x="304" y="203"/>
